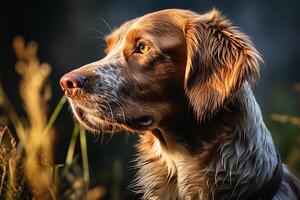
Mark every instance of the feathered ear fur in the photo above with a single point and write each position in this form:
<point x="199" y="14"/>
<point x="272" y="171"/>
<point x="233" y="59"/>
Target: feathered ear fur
<point x="219" y="60"/>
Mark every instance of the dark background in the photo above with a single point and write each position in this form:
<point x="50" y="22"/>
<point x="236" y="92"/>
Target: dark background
<point x="68" y="34"/>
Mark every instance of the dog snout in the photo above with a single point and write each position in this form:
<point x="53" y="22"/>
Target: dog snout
<point x="72" y="82"/>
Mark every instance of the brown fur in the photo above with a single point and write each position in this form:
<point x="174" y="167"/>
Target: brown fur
<point x="189" y="97"/>
<point x="226" y="57"/>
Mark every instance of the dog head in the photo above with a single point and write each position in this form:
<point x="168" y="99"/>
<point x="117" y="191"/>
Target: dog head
<point x="159" y="65"/>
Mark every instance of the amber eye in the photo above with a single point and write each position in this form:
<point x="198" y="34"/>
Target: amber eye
<point x="143" y="48"/>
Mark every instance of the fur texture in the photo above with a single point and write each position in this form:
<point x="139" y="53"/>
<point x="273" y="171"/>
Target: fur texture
<point x="182" y="81"/>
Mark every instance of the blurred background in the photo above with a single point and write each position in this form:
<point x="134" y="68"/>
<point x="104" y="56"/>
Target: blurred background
<point x="69" y="35"/>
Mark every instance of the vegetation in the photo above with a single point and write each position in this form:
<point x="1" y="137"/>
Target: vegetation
<point x="27" y="169"/>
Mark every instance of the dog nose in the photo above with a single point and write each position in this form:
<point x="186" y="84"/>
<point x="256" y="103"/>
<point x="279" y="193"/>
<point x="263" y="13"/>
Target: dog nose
<point x="71" y="82"/>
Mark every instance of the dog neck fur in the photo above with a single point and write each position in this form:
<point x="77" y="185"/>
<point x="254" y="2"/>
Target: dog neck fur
<point x="240" y="160"/>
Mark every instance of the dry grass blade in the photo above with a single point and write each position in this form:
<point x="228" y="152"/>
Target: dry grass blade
<point x="286" y="119"/>
<point x="12" y="114"/>
<point x="12" y="184"/>
<point x="27" y="170"/>
<point x="35" y="93"/>
<point x="297" y="87"/>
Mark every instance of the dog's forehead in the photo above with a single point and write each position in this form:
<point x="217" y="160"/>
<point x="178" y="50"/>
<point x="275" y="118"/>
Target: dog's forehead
<point x="166" y="17"/>
<point x="152" y="20"/>
<point x="119" y="32"/>
<point x="161" y="26"/>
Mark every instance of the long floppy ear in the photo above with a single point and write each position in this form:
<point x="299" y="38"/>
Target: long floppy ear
<point x="219" y="60"/>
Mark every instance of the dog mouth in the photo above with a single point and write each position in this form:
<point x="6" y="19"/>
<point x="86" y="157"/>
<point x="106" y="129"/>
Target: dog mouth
<point x="94" y="123"/>
<point x="97" y="123"/>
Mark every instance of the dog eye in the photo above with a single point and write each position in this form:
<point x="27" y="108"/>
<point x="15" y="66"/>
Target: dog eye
<point x="143" y="48"/>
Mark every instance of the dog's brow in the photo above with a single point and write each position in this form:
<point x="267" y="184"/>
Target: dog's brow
<point x="202" y="134"/>
<point x="111" y="40"/>
<point x="115" y="37"/>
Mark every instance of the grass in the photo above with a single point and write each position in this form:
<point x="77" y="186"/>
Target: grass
<point x="288" y="137"/>
<point x="27" y="168"/>
<point x="55" y="114"/>
<point x="11" y="186"/>
<point x="85" y="163"/>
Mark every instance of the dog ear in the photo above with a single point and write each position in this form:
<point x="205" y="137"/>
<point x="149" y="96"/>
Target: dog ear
<point x="219" y="60"/>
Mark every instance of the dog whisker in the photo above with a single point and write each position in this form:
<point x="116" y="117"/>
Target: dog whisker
<point x="183" y="81"/>
<point x="105" y="22"/>
<point x="98" y="31"/>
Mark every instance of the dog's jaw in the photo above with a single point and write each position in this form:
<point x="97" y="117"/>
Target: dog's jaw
<point x="215" y="144"/>
<point x="219" y="165"/>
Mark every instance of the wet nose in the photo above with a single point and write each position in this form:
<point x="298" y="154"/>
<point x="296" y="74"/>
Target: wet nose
<point x="72" y="82"/>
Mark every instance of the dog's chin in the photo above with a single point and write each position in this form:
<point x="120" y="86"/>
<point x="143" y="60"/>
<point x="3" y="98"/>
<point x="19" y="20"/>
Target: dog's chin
<point x="92" y="123"/>
<point x="97" y="124"/>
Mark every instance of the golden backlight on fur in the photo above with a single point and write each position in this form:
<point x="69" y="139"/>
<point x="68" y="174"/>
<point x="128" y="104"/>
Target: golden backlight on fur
<point x="182" y="81"/>
<point x="224" y="58"/>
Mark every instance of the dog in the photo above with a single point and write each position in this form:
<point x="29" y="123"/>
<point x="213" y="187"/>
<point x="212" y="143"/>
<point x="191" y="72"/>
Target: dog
<point x="183" y="81"/>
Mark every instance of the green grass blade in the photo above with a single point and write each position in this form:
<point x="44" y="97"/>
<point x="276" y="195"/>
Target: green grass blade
<point x="70" y="153"/>
<point x="84" y="153"/>
<point x="71" y="149"/>
<point x="54" y="115"/>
